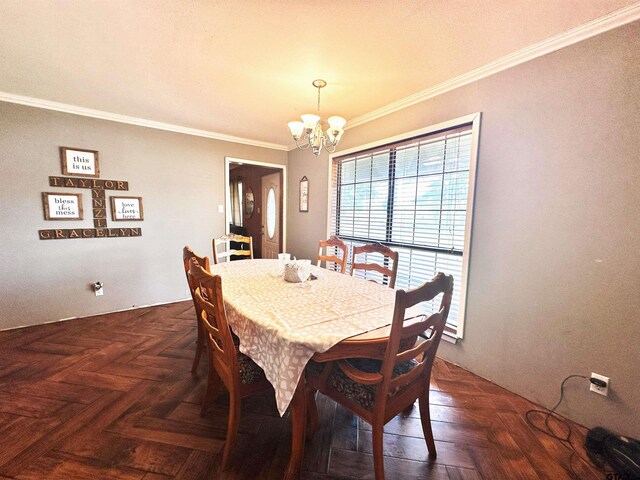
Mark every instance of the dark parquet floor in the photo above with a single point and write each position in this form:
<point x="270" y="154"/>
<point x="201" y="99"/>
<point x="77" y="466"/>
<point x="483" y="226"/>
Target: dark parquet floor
<point x="112" y="397"/>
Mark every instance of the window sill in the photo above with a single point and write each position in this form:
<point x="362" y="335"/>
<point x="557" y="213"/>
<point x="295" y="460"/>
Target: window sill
<point x="451" y="338"/>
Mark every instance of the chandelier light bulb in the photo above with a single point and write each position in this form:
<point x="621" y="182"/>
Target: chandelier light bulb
<point x="334" y="135"/>
<point x="336" y="123"/>
<point x="296" y="129"/>
<point x="310" y="120"/>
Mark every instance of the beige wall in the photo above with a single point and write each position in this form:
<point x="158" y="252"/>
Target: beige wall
<point x="555" y="256"/>
<point x="306" y="229"/>
<point x="181" y="180"/>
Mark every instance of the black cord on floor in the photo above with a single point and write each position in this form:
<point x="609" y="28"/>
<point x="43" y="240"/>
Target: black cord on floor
<point x="547" y="430"/>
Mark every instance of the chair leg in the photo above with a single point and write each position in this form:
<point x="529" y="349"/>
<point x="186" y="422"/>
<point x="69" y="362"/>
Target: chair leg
<point x="232" y="427"/>
<point x="312" y="411"/>
<point x="213" y="387"/>
<point x="425" y="418"/>
<point x="377" y="429"/>
<point x="199" y="348"/>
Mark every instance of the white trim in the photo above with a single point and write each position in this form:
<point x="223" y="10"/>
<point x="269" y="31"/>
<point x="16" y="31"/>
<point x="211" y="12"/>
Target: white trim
<point x="414" y="133"/>
<point x="228" y="160"/>
<point x="141" y="122"/>
<point x="474" y="119"/>
<point x="475" y="143"/>
<point x="97" y="314"/>
<point x="329" y="195"/>
<point x="582" y="32"/>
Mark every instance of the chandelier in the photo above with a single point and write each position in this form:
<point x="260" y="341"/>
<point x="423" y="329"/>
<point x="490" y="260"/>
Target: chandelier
<point x="310" y="129"/>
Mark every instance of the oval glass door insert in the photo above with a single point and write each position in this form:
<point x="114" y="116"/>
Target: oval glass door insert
<point x="271" y="212"/>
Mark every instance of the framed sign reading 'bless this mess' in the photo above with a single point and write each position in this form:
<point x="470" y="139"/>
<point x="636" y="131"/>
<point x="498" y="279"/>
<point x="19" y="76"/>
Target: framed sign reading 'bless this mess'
<point x="62" y="206"/>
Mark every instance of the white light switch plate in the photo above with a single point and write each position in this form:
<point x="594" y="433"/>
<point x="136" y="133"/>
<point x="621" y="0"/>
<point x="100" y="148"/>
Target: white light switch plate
<point x="220" y="208"/>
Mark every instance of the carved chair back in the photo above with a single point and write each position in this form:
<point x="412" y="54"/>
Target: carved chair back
<point x="213" y="318"/>
<point x="336" y="245"/>
<point x="389" y="267"/>
<point x="188" y="254"/>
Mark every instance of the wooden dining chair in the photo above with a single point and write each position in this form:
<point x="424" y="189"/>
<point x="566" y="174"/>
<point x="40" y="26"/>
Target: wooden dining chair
<point x="227" y="366"/>
<point x="388" y="374"/>
<point x="188" y="254"/>
<point x="224" y="254"/>
<point x="389" y="267"/>
<point x="338" y="246"/>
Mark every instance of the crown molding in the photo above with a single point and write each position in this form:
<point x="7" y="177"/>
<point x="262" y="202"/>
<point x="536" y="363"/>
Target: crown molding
<point x="141" y="122"/>
<point x="587" y="30"/>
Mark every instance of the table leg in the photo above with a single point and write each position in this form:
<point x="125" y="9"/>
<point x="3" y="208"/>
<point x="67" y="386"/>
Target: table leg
<point x="312" y="411"/>
<point x="298" y="424"/>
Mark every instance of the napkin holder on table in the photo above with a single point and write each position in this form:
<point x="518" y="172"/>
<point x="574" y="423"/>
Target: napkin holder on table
<point x="297" y="271"/>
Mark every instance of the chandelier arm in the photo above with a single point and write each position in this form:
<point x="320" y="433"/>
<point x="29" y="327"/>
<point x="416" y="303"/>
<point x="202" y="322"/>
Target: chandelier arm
<point x="331" y="148"/>
<point x="329" y="143"/>
<point x="304" y="146"/>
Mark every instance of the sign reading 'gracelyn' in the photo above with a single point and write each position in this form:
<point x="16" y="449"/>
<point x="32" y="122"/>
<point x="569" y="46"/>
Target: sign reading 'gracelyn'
<point x="68" y="206"/>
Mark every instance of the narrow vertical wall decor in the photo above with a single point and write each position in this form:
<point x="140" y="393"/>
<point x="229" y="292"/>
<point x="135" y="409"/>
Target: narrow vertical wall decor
<point x="304" y="194"/>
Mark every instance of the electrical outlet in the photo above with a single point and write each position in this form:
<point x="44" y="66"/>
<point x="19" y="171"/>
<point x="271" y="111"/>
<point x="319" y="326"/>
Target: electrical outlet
<point x="602" y="390"/>
<point x="98" y="288"/>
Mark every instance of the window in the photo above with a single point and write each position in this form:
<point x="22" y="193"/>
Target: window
<point x="414" y="195"/>
<point x="234" y="201"/>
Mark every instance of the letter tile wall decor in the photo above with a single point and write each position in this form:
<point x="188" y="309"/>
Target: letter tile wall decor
<point x="68" y="206"/>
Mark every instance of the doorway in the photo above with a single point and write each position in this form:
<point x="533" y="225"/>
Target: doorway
<point x="255" y="198"/>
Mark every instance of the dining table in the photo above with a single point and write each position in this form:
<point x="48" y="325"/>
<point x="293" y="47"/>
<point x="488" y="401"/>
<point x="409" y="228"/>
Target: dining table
<point x="282" y="325"/>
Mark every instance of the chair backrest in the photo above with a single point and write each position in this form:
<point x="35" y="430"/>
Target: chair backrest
<point x="336" y="244"/>
<point x="225" y="241"/>
<point x="425" y="350"/>
<point x="405" y="335"/>
<point x="389" y="267"/>
<point x="213" y="318"/>
<point x="188" y="254"/>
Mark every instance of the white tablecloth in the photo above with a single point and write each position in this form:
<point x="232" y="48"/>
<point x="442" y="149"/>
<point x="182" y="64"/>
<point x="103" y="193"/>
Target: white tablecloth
<point x="281" y="325"/>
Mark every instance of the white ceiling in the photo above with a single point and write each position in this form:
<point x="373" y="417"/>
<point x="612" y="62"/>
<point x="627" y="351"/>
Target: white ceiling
<point x="245" y="67"/>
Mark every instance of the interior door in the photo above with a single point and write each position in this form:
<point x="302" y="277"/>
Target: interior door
<point x="271" y="205"/>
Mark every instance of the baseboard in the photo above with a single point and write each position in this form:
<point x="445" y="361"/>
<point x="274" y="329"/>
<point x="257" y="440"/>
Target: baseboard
<point x="97" y="314"/>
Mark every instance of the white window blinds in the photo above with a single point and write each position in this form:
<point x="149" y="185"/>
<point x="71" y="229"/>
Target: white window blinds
<point x="412" y="196"/>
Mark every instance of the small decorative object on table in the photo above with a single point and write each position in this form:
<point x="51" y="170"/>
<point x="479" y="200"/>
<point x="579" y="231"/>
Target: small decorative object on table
<point x="283" y="259"/>
<point x="297" y="271"/>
